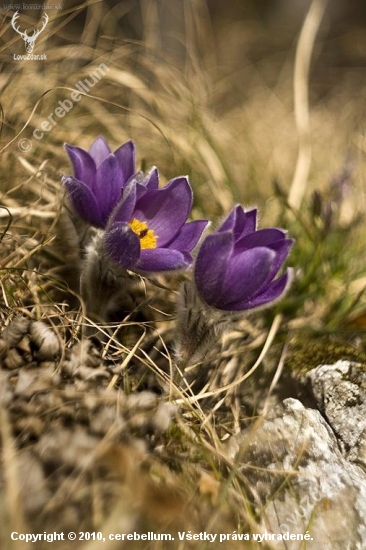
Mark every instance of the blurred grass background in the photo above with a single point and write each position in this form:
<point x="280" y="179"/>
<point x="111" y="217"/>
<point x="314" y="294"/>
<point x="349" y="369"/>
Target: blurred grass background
<point x="216" y="80"/>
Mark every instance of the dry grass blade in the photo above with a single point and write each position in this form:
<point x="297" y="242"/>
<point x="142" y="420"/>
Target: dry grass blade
<point x="304" y="53"/>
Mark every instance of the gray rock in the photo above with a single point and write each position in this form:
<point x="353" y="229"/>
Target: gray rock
<point x="301" y="482"/>
<point x="45" y="339"/>
<point x="340" y="394"/>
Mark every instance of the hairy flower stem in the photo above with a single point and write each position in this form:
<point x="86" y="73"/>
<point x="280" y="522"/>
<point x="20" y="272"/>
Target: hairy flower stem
<point x="106" y="289"/>
<point x="198" y="326"/>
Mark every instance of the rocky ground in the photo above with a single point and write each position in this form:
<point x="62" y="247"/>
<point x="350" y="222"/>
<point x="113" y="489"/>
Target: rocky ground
<point x="80" y="453"/>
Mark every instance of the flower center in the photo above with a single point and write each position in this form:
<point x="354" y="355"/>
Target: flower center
<point x="147" y="236"/>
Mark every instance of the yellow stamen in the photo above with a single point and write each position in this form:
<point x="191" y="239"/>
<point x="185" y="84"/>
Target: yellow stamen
<point x="147" y="237"/>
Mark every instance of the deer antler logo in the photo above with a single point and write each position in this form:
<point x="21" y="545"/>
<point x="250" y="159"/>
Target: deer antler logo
<point x="29" y="40"/>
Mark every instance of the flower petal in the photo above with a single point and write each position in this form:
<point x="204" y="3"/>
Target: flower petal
<point x="108" y="185"/>
<point x="163" y="259"/>
<point x="188" y="236"/>
<point x="211" y="264"/>
<point x="239" y="225"/>
<point x="83" y="164"/>
<point x="262" y="237"/>
<point x="122" y="245"/>
<point x="250" y="222"/>
<point x="99" y="150"/>
<point x="124" y="209"/>
<point x="272" y="293"/>
<point x="240" y="222"/>
<point x="229" y="222"/>
<point x="152" y="179"/>
<point x="165" y="210"/>
<point x="83" y="201"/>
<point x="145" y="182"/>
<point x="282" y="249"/>
<point x="126" y="158"/>
<point x="246" y="274"/>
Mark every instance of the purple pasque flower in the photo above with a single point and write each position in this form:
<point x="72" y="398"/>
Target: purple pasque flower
<point x="98" y="180"/>
<point x="147" y="230"/>
<point x="236" y="266"/>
